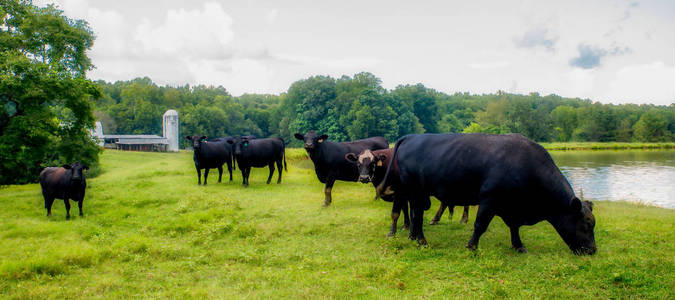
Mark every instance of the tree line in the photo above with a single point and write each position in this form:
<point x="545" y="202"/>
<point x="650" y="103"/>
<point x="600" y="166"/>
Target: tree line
<point x="48" y="106"/>
<point x="355" y="107"/>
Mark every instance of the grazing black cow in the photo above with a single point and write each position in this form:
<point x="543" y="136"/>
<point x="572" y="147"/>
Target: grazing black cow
<point x="372" y="166"/>
<point x="506" y="175"/>
<point x="329" y="158"/>
<point x="67" y="182"/>
<point x="259" y="153"/>
<point x="209" y="155"/>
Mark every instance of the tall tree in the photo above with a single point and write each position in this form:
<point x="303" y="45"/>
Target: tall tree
<point x="44" y="95"/>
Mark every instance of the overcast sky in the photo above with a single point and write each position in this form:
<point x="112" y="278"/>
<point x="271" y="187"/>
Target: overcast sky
<point x="608" y="51"/>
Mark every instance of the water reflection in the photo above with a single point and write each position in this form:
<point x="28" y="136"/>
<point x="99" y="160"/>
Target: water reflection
<point x="637" y="175"/>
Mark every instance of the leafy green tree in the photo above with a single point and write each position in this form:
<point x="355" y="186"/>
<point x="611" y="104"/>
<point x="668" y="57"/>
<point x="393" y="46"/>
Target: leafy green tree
<point x="423" y="103"/>
<point x="45" y="104"/>
<point x="564" y="121"/>
<point x="652" y="127"/>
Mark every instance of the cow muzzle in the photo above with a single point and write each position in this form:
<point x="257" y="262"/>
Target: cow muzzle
<point x="364" y="178"/>
<point x="309" y="146"/>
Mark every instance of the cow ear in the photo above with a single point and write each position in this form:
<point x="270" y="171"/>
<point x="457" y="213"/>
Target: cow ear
<point x="590" y="205"/>
<point x="351" y="157"/>
<point x="67" y="167"/>
<point x="299" y="136"/>
<point x="188" y="137"/>
<point x="322" y="138"/>
<point x="382" y="157"/>
<point x="203" y="138"/>
<point x="576" y="205"/>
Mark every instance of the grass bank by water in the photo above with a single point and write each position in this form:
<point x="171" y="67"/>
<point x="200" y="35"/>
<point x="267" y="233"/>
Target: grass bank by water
<point x="606" y="146"/>
<point x="150" y="231"/>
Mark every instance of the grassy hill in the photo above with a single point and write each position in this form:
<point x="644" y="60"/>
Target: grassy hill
<point x="150" y="231"/>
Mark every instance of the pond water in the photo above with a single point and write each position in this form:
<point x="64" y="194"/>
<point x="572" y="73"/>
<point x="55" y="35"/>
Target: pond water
<point x="646" y="176"/>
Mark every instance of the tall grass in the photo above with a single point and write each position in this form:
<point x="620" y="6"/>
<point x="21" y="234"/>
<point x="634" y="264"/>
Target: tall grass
<point x="150" y="231"/>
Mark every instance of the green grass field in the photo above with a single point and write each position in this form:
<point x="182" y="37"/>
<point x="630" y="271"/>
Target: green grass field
<point x="150" y="231"/>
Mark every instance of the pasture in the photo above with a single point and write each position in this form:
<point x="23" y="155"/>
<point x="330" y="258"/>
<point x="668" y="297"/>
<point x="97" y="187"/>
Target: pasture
<point x="150" y="231"/>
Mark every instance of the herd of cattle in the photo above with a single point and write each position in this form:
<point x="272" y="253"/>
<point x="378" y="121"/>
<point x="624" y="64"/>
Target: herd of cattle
<point x="505" y="175"/>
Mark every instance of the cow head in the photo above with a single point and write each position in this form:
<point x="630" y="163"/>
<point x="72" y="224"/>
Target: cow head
<point x="367" y="163"/>
<point x="576" y="227"/>
<point x="239" y="144"/>
<point x="196" y="141"/>
<point x="311" y="139"/>
<point x="76" y="170"/>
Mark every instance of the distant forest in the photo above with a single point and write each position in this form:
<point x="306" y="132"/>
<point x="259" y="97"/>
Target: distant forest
<point x="349" y="108"/>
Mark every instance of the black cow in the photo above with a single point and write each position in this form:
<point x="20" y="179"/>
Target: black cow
<point x="329" y="158"/>
<point x="259" y="153"/>
<point x="372" y="166"/>
<point x="209" y="155"/>
<point x="506" y="175"/>
<point x="67" y="182"/>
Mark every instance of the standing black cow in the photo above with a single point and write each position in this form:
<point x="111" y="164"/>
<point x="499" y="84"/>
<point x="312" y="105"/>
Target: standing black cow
<point x="329" y="158"/>
<point x="209" y="155"/>
<point x="259" y="153"/>
<point x="67" y="182"/>
<point x="372" y="166"/>
<point x="506" y="175"/>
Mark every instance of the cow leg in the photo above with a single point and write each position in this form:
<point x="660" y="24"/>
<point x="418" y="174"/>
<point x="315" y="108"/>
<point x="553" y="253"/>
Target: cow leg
<point x="465" y="215"/>
<point x="67" y="208"/>
<point x="48" y="204"/>
<point x="229" y="170"/>
<point x="327" y="192"/>
<point x="439" y="214"/>
<point x="206" y="175"/>
<point x="220" y="173"/>
<point x="483" y="219"/>
<point x="245" y="172"/>
<point x="79" y="205"/>
<point x="280" y="169"/>
<point x="406" y="218"/>
<point x="269" y="178"/>
<point x="395" y="213"/>
<point x="416" y="232"/>
<point x="515" y="239"/>
<point x="199" y="176"/>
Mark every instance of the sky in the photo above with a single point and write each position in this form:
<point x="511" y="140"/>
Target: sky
<point x="608" y="51"/>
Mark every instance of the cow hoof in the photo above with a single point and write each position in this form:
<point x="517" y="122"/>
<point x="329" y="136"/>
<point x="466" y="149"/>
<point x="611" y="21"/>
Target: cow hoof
<point x="472" y="247"/>
<point x="391" y="234"/>
<point x="67" y="217"/>
<point x="405" y="227"/>
<point x="521" y="250"/>
<point x="81" y="215"/>
<point x="422" y="242"/>
<point x="463" y="221"/>
<point x="326" y="204"/>
<point x="433" y="222"/>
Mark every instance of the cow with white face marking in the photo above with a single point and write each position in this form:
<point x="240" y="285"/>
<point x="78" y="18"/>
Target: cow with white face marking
<point x="372" y="165"/>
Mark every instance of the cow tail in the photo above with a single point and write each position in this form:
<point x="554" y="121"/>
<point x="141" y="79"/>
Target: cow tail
<point x="383" y="185"/>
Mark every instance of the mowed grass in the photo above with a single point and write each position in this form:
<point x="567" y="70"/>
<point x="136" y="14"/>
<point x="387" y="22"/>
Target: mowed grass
<point x="150" y="231"/>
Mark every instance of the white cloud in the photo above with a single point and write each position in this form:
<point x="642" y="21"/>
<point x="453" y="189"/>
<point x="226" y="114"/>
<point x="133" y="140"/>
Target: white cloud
<point x="205" y="33"/>
<point x="272" y="16"/>
<point x="646" y="83"/>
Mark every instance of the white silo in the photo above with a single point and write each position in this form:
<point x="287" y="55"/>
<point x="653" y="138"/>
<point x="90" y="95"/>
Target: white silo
<point x="170" y="127"/>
